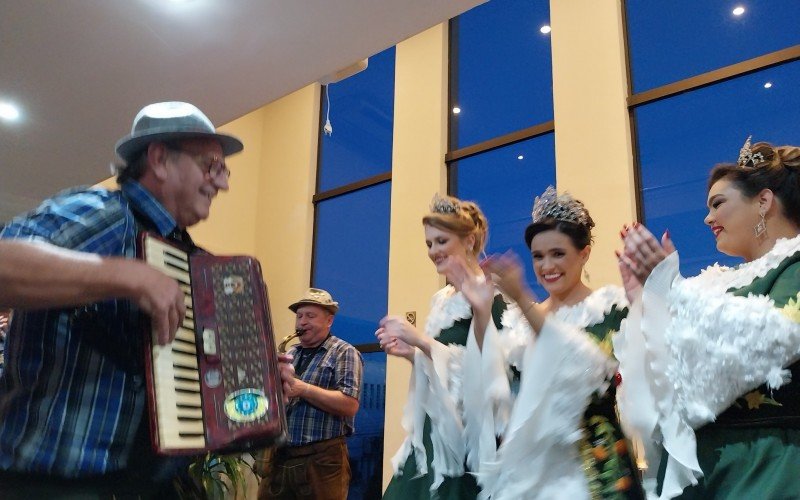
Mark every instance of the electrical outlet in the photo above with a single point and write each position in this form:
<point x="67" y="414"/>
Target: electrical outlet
<point x="411" y="317"/>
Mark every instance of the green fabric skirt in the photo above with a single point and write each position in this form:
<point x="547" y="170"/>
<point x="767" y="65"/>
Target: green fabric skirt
<point x="747" y="463"/>
<point x="411" y="486"/>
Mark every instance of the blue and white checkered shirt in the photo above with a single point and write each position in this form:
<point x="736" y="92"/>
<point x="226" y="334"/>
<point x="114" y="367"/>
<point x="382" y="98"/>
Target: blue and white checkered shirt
<point x="336" y="365"/>
<point x="72" y="393"/>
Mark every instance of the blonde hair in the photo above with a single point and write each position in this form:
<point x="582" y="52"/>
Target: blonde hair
<point x="462" y="218"/>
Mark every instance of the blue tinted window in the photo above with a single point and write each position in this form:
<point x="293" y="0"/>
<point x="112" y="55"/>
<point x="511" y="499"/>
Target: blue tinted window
<point x="504" y="77"/>
<point x="352" y="259"/>
<point x="366" y="445"/>
<point x="670" y="41"/>
<point x="504" y="187"/>
<point x="362" y="116"/>
<point x="683" y="137"/>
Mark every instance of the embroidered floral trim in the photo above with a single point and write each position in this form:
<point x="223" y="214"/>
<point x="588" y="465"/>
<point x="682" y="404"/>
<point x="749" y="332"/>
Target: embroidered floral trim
<point x="792" y="309"/>
<point x="755" y="399"/>
<point x="605" y="460"/>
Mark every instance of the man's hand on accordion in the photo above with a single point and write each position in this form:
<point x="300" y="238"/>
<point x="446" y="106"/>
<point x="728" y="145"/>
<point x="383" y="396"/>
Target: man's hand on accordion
<point x="159" y="296"/>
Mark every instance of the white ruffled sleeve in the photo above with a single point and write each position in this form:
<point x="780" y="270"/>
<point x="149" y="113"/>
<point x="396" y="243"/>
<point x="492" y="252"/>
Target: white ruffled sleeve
<point x="538" y="455"/>
<point x="436" y="390"/>
<point x="693" y="352"/>
<point x="430" y="394"/>
<point x="488" y="400"/>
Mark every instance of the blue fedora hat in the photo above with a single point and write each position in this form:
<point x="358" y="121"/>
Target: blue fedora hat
<point x="169" y="121"/>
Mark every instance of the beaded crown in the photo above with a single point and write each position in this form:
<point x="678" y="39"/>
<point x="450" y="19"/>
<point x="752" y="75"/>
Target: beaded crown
<point x="551" y="205"/>
<point x="746" y="156"/>
<point x="442" y="205"/>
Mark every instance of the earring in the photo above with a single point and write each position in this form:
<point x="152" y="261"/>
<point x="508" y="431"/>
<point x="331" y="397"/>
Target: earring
<point x="760" y="229"/>
<point x="586" y="275"/>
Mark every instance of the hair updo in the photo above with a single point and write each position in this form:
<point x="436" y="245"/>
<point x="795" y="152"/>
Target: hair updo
<point x="579" y="234"/>
<point x="462" y="218"/>
<point x="776" y="168"/>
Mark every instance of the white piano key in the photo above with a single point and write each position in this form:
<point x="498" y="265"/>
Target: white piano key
<point x="184" y="360"/>
<point x="185" y="334"/>
<point x="187" y="386"/>
<point x="184" y="399"/>
<point x="184" y="347"/>
<point x="190" y="427"/>
<point x="185" y="373"/>
<point x="192" y="413"/>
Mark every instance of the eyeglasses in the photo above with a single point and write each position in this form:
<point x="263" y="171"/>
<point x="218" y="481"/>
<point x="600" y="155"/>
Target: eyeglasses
<point x="211" y="164"/>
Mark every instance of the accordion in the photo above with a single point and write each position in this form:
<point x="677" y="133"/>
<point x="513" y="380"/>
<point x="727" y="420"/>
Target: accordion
<point x="217" y="386"/>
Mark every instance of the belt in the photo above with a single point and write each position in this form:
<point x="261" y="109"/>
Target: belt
<point x="309" y="449"/>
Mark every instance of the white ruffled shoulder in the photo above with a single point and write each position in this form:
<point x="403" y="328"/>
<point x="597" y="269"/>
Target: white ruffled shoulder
<point x="721" y="278"/>
<point x="594" y="308"/>
<point x="447" y="307"/>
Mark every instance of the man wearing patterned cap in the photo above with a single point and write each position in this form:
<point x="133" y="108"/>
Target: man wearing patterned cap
<point x="72" y="397"/>
<point x="323" y="396"/>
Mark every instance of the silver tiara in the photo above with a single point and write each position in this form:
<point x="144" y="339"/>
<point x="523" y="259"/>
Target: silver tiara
<point x="746" y="156"/>
<point x="565" y="208"/>
<point x="442" y="205"/>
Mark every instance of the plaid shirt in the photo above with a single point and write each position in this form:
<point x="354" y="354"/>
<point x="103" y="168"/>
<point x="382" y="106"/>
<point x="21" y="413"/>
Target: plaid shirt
<point x="72" y="393"/>
<point x="336" y="365"/>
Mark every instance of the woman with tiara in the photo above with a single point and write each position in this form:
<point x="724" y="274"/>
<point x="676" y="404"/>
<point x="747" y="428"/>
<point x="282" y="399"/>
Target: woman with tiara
<point x="563" y="439"/>
<point x="450" y="420"/>
<point x="710" y="362"/>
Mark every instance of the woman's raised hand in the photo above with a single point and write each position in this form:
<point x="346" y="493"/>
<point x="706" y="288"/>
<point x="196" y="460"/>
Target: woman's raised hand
<point x="478" y="290"/>
<point x="507" y="273"/>
<point x="642" y="252"/>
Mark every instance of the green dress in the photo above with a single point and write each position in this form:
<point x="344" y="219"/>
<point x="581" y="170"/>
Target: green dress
<point x="407" y="483"/>
<point x="708" y="345"/>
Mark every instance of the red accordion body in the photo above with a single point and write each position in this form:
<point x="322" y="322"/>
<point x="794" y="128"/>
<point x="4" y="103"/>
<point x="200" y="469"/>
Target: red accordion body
<point x="217" y="386"/>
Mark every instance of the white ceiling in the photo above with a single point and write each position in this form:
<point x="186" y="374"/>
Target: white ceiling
<point x="81" y="69"/>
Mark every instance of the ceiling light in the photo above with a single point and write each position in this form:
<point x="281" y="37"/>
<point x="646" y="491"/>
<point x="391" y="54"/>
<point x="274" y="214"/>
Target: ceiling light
<point x="8" y="111"/>
<point x="738" y="11"/>
<point x="768" y="85"/>
<point x="520" y="157"/>
<point x="545" y="29"/>
<point x="456" y="110"/>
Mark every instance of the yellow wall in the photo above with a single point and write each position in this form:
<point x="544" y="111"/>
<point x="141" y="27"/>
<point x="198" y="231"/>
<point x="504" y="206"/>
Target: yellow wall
<point x="593" y="141"/>
<point x="284" y="227"/>
<point x="420" y="132"/>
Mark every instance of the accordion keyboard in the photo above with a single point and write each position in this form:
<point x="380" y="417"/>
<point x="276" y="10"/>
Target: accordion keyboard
<point x="175" y="370"/>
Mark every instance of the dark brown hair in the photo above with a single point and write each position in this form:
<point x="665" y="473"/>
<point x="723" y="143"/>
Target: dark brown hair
<point x="777" y="169"/>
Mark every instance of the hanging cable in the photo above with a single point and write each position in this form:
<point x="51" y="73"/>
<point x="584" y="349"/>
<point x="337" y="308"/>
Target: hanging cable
<point x="328" y="128"/>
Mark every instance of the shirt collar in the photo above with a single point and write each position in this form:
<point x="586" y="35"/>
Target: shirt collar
<point x="323" y="346"/>
<point x="144" y="203"/>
